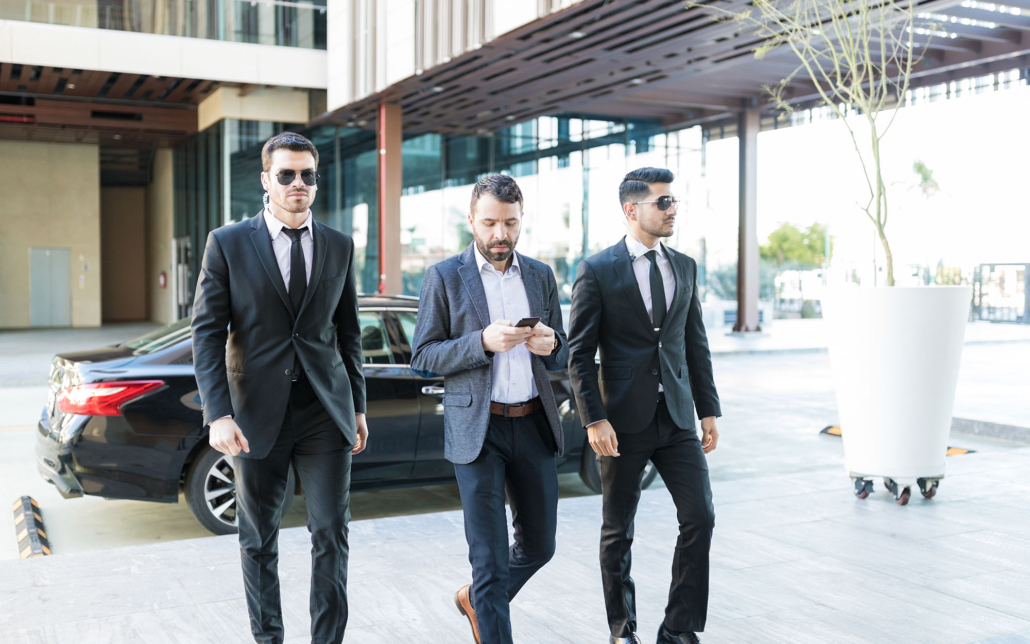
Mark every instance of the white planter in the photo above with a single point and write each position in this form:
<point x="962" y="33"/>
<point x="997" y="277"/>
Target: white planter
<point x="895" y="355"/>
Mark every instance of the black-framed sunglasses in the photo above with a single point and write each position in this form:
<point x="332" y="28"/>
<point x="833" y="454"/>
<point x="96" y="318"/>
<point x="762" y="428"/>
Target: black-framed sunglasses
<point x="664" y="202"/>
<point x="286" y="177"/>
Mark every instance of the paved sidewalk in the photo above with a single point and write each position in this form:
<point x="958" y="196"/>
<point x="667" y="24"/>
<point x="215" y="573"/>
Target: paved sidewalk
<point x="810" y="335"/>
<point x="796" y="559"/>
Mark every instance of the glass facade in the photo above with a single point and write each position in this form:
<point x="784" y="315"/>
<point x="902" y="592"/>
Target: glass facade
<point x="569" y="170"/>
<point x="266" y="22"/>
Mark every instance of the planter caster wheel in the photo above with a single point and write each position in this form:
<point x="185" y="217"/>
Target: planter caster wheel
<point x="901" y="494"/>
<point x="863" y="487"/>
<point x="928" y="487"/>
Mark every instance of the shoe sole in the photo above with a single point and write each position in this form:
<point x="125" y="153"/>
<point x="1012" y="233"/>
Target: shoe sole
<point x="461" y="609"/>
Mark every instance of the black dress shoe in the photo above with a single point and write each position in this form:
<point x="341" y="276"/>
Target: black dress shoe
<point x="665" y="637"/>
<point x="632" y="639"/>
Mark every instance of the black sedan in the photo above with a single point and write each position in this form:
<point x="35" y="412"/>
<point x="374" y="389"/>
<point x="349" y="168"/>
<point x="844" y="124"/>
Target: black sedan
<point x="124" y="422"/>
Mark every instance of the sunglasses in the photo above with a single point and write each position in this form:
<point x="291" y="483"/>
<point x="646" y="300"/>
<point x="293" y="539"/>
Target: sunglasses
<point x="286" y="177"/>
<point x="664" y="202"/>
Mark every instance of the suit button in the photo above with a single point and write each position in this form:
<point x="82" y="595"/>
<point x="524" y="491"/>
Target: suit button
<point x="289" y="372"/>
<point x="659" y="345"/>
<point x="296" y="336"/>
<point x="654" y="372"/>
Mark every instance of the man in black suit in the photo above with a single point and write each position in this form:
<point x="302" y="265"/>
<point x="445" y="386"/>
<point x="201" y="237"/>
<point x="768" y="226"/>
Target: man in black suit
<point x="277" y="353"/>
<point x="637" y="302"/>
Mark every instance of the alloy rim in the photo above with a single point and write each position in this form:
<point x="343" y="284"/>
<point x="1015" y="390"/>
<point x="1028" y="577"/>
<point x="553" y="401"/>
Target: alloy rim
<point x="220" y="491"/>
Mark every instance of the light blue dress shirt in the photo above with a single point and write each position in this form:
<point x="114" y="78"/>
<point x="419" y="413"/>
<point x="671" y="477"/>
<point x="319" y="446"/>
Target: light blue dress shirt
<point x="506" y="298"/>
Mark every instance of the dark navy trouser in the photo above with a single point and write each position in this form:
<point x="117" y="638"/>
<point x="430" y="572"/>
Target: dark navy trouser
<point x="517" y="459"/>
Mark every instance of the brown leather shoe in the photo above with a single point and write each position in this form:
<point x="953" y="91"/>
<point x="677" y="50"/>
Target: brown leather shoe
<point x="464" y="604"/>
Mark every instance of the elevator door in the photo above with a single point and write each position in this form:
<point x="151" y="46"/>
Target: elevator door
<point x="50" y="291"/>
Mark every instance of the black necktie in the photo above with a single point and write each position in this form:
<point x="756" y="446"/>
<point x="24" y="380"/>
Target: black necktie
<point x="657" y="290"/>
<point x="298" y="271"/>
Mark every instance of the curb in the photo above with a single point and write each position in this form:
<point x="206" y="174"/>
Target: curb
<point x="991" y="430"/>
<point x="28" y="528"/>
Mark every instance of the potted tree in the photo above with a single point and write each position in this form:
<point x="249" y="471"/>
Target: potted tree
<point x="895" y="351"/>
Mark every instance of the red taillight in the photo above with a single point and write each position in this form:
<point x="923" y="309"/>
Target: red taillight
<point x="103" y="398"/>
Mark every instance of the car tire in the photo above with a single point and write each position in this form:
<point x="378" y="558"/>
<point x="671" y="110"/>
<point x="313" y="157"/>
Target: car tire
<point x="590" y="472"/>
<point x="211" y="491"/>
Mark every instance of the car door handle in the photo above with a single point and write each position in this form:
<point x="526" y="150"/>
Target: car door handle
<point x="432" y="390"/>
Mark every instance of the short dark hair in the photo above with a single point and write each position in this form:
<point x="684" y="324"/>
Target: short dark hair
<point x="286" y="141"/>
<point x="634" y="186"/>
<point x="501" y="186"/>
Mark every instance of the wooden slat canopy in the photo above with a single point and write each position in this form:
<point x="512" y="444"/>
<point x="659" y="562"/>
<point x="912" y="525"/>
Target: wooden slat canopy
<point x="656" y="59"/>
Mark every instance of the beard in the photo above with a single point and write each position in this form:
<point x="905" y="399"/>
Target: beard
<point x="655" y="227"/>
<point x="491" y="255"/>
<point x="292" y="205"/>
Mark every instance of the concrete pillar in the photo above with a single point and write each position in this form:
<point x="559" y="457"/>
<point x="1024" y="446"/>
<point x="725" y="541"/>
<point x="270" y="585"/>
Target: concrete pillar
<point x="747" y="238"/>
<point x="390" y="183"/>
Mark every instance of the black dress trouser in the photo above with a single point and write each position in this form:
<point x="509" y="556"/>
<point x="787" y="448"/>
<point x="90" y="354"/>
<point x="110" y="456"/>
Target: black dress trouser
<point x="518" y="460"/>
<point x="312" y="441"/>
<point x="678" y="456"/>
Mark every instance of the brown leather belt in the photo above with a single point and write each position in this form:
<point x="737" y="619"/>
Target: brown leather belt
<point x="516" y="411"/>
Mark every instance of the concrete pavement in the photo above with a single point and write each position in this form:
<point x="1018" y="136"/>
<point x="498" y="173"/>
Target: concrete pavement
<point x="796" y="557"/>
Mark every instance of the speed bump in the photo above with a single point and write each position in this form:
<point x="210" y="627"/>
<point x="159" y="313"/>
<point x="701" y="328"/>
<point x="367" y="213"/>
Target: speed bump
<point x="28" y="529"/>
<point x="834" y="430"/>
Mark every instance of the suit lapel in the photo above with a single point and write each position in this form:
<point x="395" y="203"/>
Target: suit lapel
<point x="679" y="269"/>
<point x="318" y="253"/>
<point x="624" y="269"/>
<point x="263" y="246"/>
<point x="474" y="283"/>
<point x="532" y="282"/>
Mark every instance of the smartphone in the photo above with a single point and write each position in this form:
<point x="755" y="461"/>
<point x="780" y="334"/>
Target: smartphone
<point x="530" y="322"/>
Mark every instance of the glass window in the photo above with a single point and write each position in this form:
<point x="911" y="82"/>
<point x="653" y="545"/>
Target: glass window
<point x="160" y="338"/>
<point x="407" y="320"/>
<point x="375" y="347"/>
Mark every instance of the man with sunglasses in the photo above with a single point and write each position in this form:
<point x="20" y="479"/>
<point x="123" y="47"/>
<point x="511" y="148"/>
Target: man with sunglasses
<point x="277" y="354"/>
<point x="637" y="303"/>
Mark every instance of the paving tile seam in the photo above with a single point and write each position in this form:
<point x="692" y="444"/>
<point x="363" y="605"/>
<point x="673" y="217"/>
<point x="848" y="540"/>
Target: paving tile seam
<point x="993" y="609"/>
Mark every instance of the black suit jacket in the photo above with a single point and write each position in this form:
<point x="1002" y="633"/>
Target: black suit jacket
<point x="608" y="313"/>
<point x="245" y="334"/>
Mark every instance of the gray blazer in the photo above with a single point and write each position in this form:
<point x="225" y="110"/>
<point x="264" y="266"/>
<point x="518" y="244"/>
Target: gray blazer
<point x="448" y="342"/>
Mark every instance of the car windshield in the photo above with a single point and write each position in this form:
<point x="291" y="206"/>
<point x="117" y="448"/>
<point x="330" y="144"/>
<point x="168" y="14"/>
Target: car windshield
<point x="160" y="338"/>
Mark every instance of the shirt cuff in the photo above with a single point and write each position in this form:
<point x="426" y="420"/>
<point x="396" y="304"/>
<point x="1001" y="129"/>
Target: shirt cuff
<point x="597" y="421"/>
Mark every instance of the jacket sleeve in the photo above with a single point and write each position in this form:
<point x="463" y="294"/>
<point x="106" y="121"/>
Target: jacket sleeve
<point x="584" y="329"/>
<point x="433" y="352"/>
<point x="348" y="335"/>
<point x="699" y="358"/>
<point x="559" y="358"/>
<point x="210" y="328"/>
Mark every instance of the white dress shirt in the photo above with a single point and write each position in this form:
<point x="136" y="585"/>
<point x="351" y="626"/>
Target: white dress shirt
<point x="506" y="299"/>
<point x="642" y="270"/>
<point x="282" y="244"/>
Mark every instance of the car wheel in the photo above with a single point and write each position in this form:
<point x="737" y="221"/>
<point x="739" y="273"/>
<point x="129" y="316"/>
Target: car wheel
<point x="590" y="472"/>
<point x="211" y="492"/>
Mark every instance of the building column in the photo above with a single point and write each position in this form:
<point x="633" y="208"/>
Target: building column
<point x="390" y="183"/>
<point x="748" y="125"/>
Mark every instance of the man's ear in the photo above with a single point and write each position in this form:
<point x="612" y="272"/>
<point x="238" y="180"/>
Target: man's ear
<point x="264" y="181"/>
<point x="629" y="211"/>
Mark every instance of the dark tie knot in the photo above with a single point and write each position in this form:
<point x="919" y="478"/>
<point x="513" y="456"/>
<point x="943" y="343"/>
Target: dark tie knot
<point x="651" y="255"/>
<point x="294" y="233"/>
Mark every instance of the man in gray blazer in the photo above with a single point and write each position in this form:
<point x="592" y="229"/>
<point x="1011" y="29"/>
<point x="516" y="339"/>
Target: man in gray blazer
<point x="501" y="424"/>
